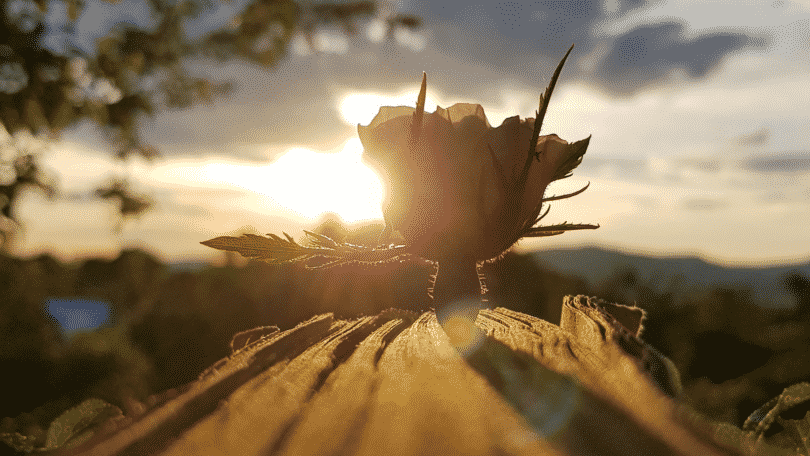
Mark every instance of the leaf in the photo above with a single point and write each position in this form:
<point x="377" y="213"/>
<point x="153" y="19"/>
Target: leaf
<point x="553" y="230"/>
<point x="320" y="240"/>
<point x="545" y="98"/>
<point x="22" y="443"/>
<point x="73" y="427"/>
<point x="784" y="421"/>
<point x="79" y="423"/>
<point x="272" y="248"/>
<point x="275" y="250"/>
<point x="575" y="151"/>
<point x="416" y="126"/>
<point x="567" y="195"/>
<point x="538" y="123"/>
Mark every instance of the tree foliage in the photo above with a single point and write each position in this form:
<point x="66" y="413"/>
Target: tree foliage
<point x="47" y="86"/>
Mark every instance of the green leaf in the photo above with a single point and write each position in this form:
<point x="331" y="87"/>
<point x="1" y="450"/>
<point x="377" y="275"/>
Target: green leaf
<point x="78" y="424"/>
<point x="71" y="428"/>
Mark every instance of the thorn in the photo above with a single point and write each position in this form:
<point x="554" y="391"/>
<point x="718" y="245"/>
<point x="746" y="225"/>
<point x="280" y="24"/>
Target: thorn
<point x="420" y="108"/>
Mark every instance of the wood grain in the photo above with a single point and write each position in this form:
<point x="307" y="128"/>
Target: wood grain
<point x="394" y="384"/>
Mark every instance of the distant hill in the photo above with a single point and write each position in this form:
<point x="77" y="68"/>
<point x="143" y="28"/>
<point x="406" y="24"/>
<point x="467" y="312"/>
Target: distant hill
<point x="595" y="265"/>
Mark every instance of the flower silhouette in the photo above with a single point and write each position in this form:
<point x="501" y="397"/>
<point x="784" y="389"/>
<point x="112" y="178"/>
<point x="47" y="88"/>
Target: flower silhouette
<point x="457" y="187"/>
<point x="459" y="191"/>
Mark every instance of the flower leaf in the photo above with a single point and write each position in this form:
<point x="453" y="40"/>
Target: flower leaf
<point x="79" y="423"/>
<point x="544" y="100"/>
<point x="520" y="183"/>
<point x="275" y="250"/>
<point x="319" y="240"/>
<point x="271" y="249"/>
<point x="19" y="442"/>
<point x="575" y="151"/>
<point x="560" y="228"/>
<point x="567" y="195"/>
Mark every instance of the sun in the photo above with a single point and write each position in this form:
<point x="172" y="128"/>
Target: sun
<point x="361" y="107"/>
<point x="312" y="183"/>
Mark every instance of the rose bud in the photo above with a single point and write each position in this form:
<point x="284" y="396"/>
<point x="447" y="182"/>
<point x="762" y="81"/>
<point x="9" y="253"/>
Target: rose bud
<point x="458" y="188"/>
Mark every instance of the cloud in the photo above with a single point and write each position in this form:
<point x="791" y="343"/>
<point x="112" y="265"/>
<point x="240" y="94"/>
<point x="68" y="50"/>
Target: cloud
<point x="522" y="38"/>
<point x="794" y="163"/>
<point x="703" y="204"/>
<point x="757" y="138"/>
<point x="684" y="170"/>
<point x="613" y="167"/>
<point x="649" y="54"/>
<point x="529" y="39"/>
<point x="700" y="164"/>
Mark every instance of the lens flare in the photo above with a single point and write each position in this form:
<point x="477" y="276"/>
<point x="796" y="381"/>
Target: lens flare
<point x="458" y="322"/>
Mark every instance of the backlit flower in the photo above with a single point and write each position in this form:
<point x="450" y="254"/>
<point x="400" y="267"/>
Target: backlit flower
<point x="458" y="188"/>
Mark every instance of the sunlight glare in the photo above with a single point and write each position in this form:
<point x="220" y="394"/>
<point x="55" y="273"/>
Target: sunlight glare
<point x="311" y="183"/>
<point x="360" y="108"/>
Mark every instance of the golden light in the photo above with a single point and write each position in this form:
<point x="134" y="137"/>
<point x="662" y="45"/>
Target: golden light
<point x="360" y="108"/>
<point x="458" y="321"/>
<point x="311" y="183"/>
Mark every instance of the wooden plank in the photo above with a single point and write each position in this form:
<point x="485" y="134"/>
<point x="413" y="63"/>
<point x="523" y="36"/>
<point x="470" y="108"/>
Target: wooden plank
<point x="334" y="418"/>
<point x="257" y="417"/>
<point x="571" y="418"/>
<point x="394" y="384"/>
<point x="545" y="342"/>
<point x="155" y="429"/>
<point x="430" y="402"/>
<point x="621" y="411"/>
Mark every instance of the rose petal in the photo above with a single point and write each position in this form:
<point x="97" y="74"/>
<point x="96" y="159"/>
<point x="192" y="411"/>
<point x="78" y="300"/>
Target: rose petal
<point x="551" y="149"/>
<point x="460" y="111"/>
<point x="444" y="193"/>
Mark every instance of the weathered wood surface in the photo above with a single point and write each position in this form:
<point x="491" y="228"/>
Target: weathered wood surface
<point x="394" y="384"/>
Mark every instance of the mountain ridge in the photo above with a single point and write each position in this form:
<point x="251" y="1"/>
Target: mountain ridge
<point x="597" y="264"/>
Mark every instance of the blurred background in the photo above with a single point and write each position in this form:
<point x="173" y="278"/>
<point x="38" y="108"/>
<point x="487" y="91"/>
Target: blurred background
<point x="131" y="130"/>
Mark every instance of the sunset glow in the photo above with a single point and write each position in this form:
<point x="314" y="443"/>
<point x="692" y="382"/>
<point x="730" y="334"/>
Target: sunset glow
<point x="311" y="183"/>
<point x="360" y="108"/>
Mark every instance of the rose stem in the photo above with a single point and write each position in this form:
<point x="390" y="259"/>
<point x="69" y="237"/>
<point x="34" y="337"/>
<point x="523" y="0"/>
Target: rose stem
<point x="457" y="290"/>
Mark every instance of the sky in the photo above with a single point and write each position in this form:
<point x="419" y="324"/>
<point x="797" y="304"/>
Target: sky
<point x="698" y="113"/>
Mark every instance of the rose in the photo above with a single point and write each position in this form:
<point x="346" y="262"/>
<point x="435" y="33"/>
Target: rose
<point x="458" y="188"/>
<point x="459" y="191"/>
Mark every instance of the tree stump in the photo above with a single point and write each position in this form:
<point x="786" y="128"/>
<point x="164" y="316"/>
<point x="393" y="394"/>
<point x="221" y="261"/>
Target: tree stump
<point x="393" y="384"/>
